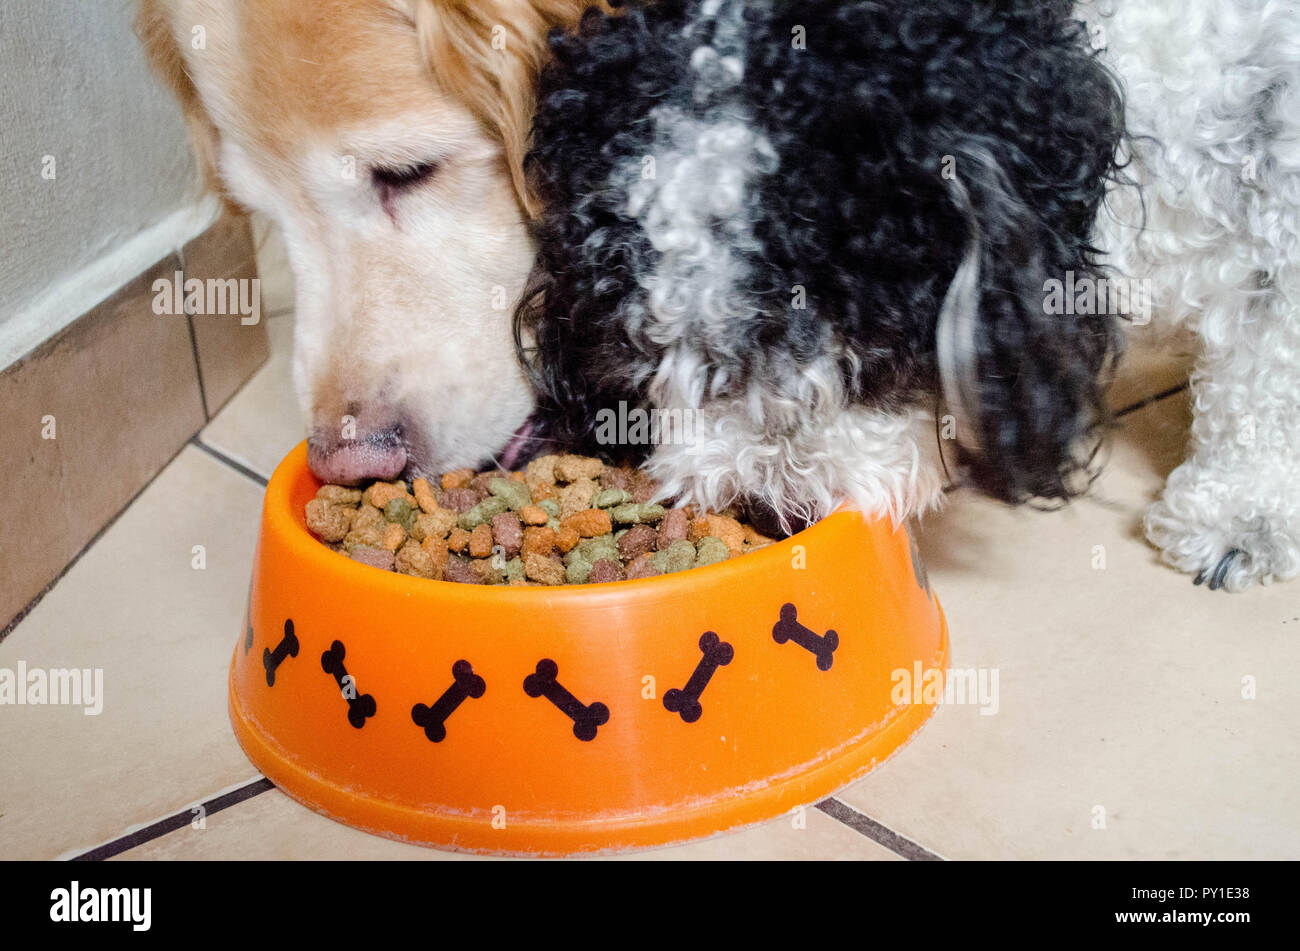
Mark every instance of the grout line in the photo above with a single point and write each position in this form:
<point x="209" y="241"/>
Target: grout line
<point x="178" y="821"/>
<point x="229" y="461"/>
<point x="1143" y="404"/>
<point x="882" y="835"/>
<point x="194" y="347"/>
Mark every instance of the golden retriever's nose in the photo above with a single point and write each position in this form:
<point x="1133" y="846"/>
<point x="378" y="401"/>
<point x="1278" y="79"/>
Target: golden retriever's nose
<point x="356" y="456"/>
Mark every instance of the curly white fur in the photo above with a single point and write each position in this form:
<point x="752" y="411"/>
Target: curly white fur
<point x="1213" y="98"/>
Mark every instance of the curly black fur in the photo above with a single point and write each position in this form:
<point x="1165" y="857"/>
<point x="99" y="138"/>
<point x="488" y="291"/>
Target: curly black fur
<point x="857" y="211"/>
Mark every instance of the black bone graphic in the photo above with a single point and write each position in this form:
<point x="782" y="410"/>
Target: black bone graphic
<point x="586" y="719"/>
<point x="359" y="707"/>
<point x="789" y="629"/>
<point x="717" y="653"/>
<point x="434" y="718"/>
<point x="288" y="647"/>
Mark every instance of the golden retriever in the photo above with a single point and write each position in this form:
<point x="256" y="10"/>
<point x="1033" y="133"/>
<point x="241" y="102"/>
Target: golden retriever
<point x="386" y="140"/>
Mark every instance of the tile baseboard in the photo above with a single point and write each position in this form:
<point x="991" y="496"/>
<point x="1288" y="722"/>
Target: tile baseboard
<point x="95" y="412"/>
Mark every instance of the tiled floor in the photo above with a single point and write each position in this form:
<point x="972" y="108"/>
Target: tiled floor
<point x="1121" y="727"/>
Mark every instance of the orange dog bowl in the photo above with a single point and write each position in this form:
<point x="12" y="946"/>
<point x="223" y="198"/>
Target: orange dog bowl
<point x="550" y="721"/>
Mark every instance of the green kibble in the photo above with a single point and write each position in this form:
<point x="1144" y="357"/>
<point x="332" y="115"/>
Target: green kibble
<point x="602" y="546"/>
<point x="577" y="567"/>
<point x="709" y="551"/>
<point x="553" y="524"/>
<point x="399" y="510"/>
<point x="609" y="498"/>
<point x="679" y="556"/>
<point x="633" y="514"/>
<point x="515" y="493"/>
<point x="483" y="512"/>
<point x="514" y="570"/>
<point x="550" y="507"/>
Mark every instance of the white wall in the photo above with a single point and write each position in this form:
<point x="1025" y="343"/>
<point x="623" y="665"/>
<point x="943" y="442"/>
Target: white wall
<point x="74" y="85"/>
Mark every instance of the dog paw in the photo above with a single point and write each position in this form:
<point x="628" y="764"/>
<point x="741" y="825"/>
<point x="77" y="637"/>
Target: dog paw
<point x="1221" y="535"/>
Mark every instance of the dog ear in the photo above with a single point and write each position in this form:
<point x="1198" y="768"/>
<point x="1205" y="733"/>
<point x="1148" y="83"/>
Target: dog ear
<point x="154" y="27"/>
<point x="488" y="54"/>
<point x="1024" y="384"/>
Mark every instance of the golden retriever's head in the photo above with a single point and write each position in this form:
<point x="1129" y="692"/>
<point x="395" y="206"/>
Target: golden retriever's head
<point x="386" y="139"/>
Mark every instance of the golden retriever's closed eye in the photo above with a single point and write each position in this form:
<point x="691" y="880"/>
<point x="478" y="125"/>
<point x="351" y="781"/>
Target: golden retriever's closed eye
<point x="386" y="140"/>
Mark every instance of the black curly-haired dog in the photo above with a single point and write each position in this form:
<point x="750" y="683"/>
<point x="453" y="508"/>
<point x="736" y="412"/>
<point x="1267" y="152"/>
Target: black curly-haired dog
<point x="789" y="227"/>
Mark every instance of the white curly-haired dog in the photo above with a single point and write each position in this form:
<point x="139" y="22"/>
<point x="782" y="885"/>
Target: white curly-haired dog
<point x="1213" y="104"/>
<point x="698" y="165"/>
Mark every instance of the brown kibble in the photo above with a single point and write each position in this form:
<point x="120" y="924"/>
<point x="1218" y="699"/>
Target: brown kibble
<point x="637" y="540"/>
<point x="541" y="469"/>
<point x="461" y="570"/>
<point x="643" y="487"/>
<point x="480" y="541"/>
<point x="394" y="536"/>
<point x="436" y="548"/>
<point x="566" y="538"/>
<point x="570" y="468"/>
<point x="542" y="490"/>
<point x="328" y="522"/>
<point x="461" y="500"/>
<point x="753" y="538"/>
<point x="487" y="571"/>
<point x="539" y="541"/>
<point x="456" y="479"/>
<point x="543" y="568"/>
<point x="338" y="495"/>
<point x="534" y="515"/>
<point x="674" y="525"/>
<point x="589" y="523"/>
<point x="437" y="523"/>
<point x="516" y="477"/>
<point x="641" y="567"/>
<point x="604" y="571"/>
<point x="458" y="540"/>
<point x="616" y="477"/>
<point x="381" y="493"/>
<point x="375" y="557"/>
<point x="576" y="497"/>
<point x="414" y="560"/>
<point x="424" y="495"/>
<point x="508" y="532"/>
<point x="481" y="483"/>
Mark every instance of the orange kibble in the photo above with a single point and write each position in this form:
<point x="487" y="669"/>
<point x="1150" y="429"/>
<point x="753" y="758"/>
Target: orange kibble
<point x="516" y="477"/>
<point x="538" y="541"/>
<point x="728" y="529"/>
<point x="533" y="515"/>
<point x="589" y="523"/>
<point x="458" y="540"/>
<point x="566" y="538"/>
<point x="381" y="493"/>
<point x="480" y="541"/>
<point x="457" y="479"/>
<point x="424" y="496"/>
<point x="394" y="536"/>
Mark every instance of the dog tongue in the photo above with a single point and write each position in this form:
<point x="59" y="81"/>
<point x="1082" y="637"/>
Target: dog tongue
<point x="517" y="448"/>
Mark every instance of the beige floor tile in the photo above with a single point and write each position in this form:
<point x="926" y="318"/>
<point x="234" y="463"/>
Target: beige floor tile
<point x="163" y="633"/>
<point x="262" y="422"/>
<point x="1121" y="689"/>
<point x="272" y="268"/>
<point x="273" y="826"/>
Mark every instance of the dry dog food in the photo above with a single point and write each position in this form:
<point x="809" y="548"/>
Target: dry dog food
<point x="564" y="519"/>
